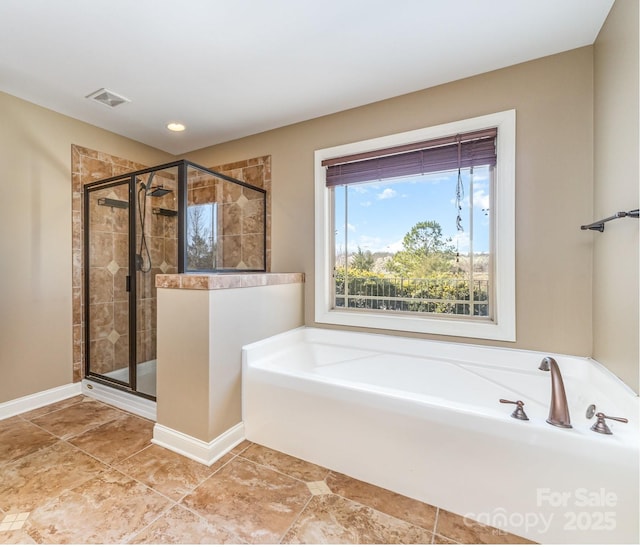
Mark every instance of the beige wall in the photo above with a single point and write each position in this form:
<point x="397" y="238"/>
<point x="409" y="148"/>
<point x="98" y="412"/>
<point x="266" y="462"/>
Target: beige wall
<point x="554" y="103"/>
<point x="184" y="361"/>
<point x="615" y="251"/>
<point x="35" y="240"/>
<point x="555" y="194"/>
<point x="199" y="360"/>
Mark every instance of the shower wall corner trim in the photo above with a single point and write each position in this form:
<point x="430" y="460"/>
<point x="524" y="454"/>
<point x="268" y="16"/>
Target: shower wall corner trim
<point x="196" y="449"/>
<point x="37" y="400"/>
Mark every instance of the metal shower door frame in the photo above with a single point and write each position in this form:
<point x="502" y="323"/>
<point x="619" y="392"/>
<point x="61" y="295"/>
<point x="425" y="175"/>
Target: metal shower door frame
<point x="131" y="288"/>
<point x="130" y="280"/>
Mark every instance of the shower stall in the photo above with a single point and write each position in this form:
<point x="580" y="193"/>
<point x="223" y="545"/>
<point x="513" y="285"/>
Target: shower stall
<point x="173" y="218"/>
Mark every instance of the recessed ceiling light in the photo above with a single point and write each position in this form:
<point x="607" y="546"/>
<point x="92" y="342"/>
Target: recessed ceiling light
<point x="174" y="126"/>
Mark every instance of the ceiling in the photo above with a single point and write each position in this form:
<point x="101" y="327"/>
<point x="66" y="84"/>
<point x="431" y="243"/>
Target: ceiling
<point x="231" y="68"/>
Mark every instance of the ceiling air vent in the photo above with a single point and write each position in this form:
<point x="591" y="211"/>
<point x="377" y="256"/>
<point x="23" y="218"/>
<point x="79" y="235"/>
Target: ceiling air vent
<point x="108" y="98"/>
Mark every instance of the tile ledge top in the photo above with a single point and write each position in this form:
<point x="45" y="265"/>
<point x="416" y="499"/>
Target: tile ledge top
<point x="209" y="282"/>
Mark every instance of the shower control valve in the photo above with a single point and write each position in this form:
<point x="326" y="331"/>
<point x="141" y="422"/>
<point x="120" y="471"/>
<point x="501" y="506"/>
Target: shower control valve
<point x="518" y="413"/>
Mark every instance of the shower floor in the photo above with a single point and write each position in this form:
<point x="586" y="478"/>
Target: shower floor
<point x="146" y="380"/>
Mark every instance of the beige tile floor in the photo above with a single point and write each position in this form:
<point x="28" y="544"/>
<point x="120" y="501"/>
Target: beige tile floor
<point x="80" y="471"/>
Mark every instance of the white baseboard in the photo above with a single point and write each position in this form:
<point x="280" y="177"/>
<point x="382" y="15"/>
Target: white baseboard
<point x="120" y="399"/>
<point x="195" y="449"/>
<point x="37" y="400"/>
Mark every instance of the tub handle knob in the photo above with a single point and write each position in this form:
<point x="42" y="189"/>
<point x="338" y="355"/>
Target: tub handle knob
<point x="601" y="426"/>
<point x="518" y="413"/>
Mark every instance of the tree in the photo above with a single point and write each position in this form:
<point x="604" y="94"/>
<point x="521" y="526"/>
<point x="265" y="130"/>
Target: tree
<point x="200" y="247"/>
<point x="425" y="238"/>
<point x="362" y="260"/>
<point x="424" y="251"/>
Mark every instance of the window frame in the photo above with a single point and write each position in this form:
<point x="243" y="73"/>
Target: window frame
<point x="503" y="325"/>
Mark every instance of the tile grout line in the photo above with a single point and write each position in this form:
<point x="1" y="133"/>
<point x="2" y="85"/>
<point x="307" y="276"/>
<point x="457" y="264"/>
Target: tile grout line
<point x="108" y="467"/>
<point x="349" y="499"/>
<point x="96" y="426"/>
<point x="136" y="453"/>
<point x="192" y="490"/>
<point x="111" y="468"/>
<point x="194" y="512"/>
<point x="15" y="460"/>
<point x="103" y="462"/>
<point x="9" y="524"/>
<point x="84" y="400"/>
<point x="63" y="491"/>
<point x="132" y="535"/>
<point x="121" y="410"/>
<point x="239" y="456"/>
<point x="295" y="520"/>
<point x="278" y="470"/>
<point x="21" y="415"/>
<point x="389" y="515"/>
<point x="173" y="504"/>
<point x="435" y="525"/>
<point x="134" y="479"/>
<point x="243" y="450"/>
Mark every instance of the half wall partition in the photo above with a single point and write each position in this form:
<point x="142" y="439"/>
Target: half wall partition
<point x="173" y="218"/>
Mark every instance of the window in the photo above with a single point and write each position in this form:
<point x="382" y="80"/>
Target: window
<point x="415" y="231"/>
<point x="202" y="237"/>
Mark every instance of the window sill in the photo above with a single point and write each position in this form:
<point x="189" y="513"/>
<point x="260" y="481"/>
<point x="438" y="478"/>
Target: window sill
<point x="454" y="326"/>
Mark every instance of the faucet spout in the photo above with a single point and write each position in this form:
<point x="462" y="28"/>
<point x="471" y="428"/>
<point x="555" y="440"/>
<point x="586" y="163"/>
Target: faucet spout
<point x="558" y="409"/>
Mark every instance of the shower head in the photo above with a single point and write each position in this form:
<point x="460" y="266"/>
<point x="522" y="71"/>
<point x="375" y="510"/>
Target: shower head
<point x="153" y="191"/>
<point x="158" y="191"/>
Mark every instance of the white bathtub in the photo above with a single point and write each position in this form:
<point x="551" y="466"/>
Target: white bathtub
<point x="422" y="418"/>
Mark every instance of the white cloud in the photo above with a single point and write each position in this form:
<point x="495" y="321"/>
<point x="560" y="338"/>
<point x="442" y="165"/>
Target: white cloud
<point x="387" y="193"/>
<point x="359" y="189"/>
<point x="480" y="178"/>
<point x="365" y="204"/>
<point x="436" y="179"/>
<point x="370" y="243"/>
<point x="394" y="247"/>
<point x="351" y="227"/>
<point x="481" y="198"/>
<point x="461" y="241"/>
<point x="375" y="185"/>
<point x="378" y="244"/>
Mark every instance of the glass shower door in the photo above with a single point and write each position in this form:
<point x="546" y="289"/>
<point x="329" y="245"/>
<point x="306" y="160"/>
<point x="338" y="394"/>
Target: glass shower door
<point x="107" y="282"/>
<point x="131" y="235"/>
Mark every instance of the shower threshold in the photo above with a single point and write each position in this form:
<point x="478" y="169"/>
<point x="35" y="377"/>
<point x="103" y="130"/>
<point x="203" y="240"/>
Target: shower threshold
<point x="130" y="402"/>
<point x="146" y="377"/>
<point x="126" y="400"/>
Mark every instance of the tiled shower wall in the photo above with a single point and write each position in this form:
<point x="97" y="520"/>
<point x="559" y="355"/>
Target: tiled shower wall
<point x="245" y="220"/>
<point x="90" y="165"/>
<point x="161" y="234"/>
<point x="240" y="220"/>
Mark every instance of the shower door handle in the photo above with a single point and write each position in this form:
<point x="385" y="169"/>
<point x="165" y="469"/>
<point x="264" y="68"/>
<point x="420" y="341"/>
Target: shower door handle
<point x="128" y="284"/>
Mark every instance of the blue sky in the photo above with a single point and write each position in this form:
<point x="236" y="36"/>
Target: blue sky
<point x="381" y="213"/>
